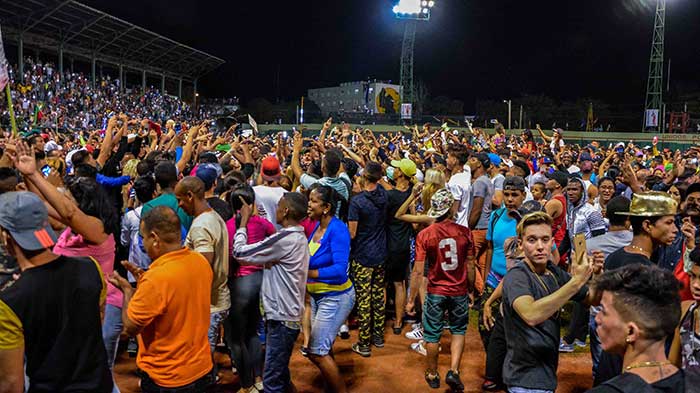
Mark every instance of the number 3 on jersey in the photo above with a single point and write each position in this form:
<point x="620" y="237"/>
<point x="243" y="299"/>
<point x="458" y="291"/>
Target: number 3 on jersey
<point x="449" y="247"/>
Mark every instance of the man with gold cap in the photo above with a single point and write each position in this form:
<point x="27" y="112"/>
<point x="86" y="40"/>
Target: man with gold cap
<point x="652" y="215"/>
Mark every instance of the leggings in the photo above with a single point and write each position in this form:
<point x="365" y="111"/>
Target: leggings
<point x="241" y="327"/>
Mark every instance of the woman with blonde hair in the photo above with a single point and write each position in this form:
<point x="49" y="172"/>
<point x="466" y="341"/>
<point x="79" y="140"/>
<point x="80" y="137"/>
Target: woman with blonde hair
<point x="434" y="181"/>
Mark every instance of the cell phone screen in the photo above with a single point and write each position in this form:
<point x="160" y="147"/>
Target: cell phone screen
<point x="46" y="170"/>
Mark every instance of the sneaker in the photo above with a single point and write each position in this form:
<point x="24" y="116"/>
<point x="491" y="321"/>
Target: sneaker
<point x="416" y="325"/>
<point x="416" y="334"/>
<point x="344" y="332"/>
<point x="397" y="330"/>
<point x="304" y="352"/>
<point x="362" y="350"/>
<point x="433" y="381"/>
<point x="378" y="342"/>
<point x="579" y="343"/>
<point x="491" y="386"/>
<point x="419" y="348"/>
<point x="453" y="381"/>
<point x="564" y="347"/>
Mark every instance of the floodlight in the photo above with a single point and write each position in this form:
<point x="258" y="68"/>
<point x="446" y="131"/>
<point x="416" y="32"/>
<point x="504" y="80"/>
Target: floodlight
<point x="431" y="4"/>
<point x="408" y="7"/>
<point x="424" y="3"/>
<point x="425" y="10"/>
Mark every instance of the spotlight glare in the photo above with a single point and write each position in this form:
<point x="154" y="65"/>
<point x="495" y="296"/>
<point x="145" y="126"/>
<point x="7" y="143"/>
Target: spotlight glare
<point x="424" y="3"/>
<point x="425" y="10"/>
<point x="431" y="4"/>
<point x="408" y="7"/>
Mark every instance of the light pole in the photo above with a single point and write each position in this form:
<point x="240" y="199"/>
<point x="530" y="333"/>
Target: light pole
<point x="412" y="11"/>
<point x="510" y="112"/>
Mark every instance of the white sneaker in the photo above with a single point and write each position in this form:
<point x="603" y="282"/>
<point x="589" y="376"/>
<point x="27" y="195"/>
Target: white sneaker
<point x="419" y="348"/>
<point x="415" y="326"/>
<point x="415" y="334"/>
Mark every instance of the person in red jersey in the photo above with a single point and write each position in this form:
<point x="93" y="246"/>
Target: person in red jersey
<point x="448" y="248"/>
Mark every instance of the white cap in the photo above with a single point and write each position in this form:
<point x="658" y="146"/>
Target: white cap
<point x="419" y="175"/>
<point x="51" y="146"/>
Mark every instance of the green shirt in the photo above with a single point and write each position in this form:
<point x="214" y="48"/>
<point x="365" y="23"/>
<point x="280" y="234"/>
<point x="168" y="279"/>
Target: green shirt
<point x="169" y="200"/>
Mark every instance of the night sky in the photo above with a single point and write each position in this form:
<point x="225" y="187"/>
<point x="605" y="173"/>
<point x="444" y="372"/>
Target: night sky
<point x="468" y="50"/>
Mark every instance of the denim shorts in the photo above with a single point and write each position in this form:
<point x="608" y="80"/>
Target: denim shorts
<point x="328" y="313"/>
<point x="457" y="308"/>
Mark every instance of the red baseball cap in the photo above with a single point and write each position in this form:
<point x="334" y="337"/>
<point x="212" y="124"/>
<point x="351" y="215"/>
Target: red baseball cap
<point x="271" y="169"/>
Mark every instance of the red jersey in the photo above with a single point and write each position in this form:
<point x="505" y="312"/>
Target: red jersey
<point x="446" y="246"/>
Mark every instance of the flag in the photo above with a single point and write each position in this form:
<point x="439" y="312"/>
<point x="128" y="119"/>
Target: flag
<point x="4" y="77"/>
<point x="253" y="124"/>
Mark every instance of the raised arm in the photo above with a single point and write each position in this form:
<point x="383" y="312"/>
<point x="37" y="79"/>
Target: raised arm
<point x="296" y="152"/>
<point x="91" y="228"/>
<point x="187" y="150"/>
<point x="106" y="148"/>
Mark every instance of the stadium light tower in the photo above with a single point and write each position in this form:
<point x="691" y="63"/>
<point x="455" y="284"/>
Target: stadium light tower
<point x="654" y="117"/>
<point x="412" y="11"/>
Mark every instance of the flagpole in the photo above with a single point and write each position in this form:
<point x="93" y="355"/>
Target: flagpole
<point x="11" y="110"/>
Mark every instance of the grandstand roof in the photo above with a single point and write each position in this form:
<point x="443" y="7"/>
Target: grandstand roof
<point x="83" y="30"/>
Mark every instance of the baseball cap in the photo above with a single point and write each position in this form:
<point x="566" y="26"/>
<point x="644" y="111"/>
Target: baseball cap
<point x="514" y="183"/>
<point x="484" y="159"/>
<point x="585" y="157"/>
<point x="495" y="159"/>
<point x="407" y="166"/>
<point x="526" y="208"/>
<point x="51" y="146"/>
<point x="206" y="175"/>
<point x="271" y="169"/>
<point x="440" y="203"/>
<point x="560" y="177"/>
<point x="25" y="216"/>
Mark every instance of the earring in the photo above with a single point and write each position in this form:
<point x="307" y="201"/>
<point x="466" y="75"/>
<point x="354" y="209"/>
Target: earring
<point x="628" y="340"/>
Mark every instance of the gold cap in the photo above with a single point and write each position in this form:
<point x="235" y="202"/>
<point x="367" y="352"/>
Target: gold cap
<point x="652" y="204"/>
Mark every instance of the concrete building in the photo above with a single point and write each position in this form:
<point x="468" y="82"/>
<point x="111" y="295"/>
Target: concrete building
<point x="375" y="97"/>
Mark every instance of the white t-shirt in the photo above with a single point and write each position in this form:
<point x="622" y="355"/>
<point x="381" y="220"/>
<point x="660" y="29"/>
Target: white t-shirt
<point x="266" y="200"/>
<point x="460" y="187"/>
<point x="208" y="233"/>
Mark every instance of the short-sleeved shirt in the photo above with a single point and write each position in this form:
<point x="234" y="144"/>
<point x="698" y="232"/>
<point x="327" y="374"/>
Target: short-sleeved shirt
<point x="398" y="232"/>
<point x="482" y="188"/>
<point x="368" y="209"/>
<point x="501" y="227"/>
<point x="339" y="184"/>
<point x="459" y="185"/>
<point x="532" y="354"/>
<point x="208" y="233"/>
<point x="168" y="199"/>
<point x="266" y="200"/>
<point x="446" y="247"/>
<point x="54" y="311"/>
<point x="622" y="258"/>
<point x="171" y="302"/>
<point x="498" y="182"/>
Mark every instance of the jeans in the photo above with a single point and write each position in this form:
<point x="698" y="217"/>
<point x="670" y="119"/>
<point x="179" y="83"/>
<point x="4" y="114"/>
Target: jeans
<point x="578" y="328"/>
<point x="496" y="351"/>
<point x="111" y="330"/>
<point x="596" y="348"/>
<point x="327" y="314"/>
<point x="278" y="349"/>
<point x="480" y="246"/>
<point x="198" y="386"/>
<point x="240" y="328"/>
<point x="215" y="320"/>
<point x="516" y="389"/>
<point x="371" y="311"/>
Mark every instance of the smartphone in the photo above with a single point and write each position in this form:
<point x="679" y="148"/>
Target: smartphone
<point x="46" y="170"/>
<point x="579" y="247"/>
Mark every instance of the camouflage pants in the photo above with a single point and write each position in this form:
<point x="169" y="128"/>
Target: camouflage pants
<point x="369" y="289"/>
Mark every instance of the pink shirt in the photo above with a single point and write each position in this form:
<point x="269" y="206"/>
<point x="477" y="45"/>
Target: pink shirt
<point x="258" y="229"/>
<point x="72" y="245"/>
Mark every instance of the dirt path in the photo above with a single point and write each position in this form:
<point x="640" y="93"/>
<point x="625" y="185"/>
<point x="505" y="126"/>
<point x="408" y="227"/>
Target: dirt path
<point x="394" y="368"/>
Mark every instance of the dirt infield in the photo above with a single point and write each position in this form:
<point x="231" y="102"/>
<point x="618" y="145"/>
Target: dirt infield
<point x="394" y="368"/>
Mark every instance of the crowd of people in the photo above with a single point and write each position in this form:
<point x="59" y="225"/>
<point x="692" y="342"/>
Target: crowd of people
<point x="193" y="242"/>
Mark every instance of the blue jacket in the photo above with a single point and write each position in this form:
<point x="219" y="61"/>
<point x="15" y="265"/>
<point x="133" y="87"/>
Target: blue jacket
<point x="332" y="258"/>
<point x="111" y="182"/>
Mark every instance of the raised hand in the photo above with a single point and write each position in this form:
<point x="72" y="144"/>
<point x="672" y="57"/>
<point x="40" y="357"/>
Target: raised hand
<point x="688" y="230"/>
<point x="119" y="282"/>
<point x="136" y="271"/>
<point x="24" y="159"/>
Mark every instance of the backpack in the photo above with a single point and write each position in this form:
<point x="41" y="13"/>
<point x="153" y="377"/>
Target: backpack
<point x="343" y="204"/>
